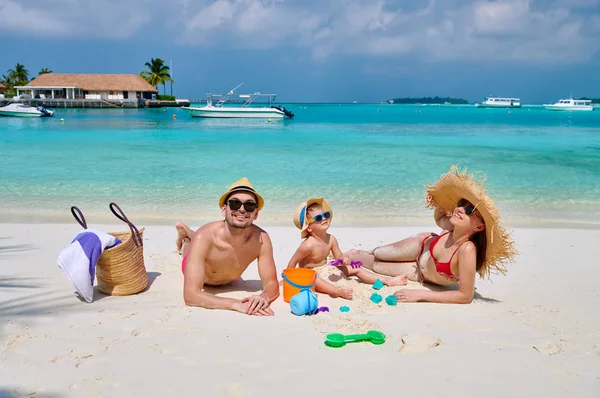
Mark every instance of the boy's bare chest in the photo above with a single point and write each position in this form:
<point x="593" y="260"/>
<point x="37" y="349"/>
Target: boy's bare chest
<point x="320" y="252"/>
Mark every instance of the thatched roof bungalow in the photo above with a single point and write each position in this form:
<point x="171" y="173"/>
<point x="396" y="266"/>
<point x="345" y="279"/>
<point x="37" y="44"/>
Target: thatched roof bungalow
<point x="88" y="86"/>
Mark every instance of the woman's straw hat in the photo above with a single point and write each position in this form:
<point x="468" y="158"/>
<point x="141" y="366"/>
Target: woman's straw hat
<point x="456" y="185"/>
<point x="301" y="214"/>
<point x="243" y="184"/>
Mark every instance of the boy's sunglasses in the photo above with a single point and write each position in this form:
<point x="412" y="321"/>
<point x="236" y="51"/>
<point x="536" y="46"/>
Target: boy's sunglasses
<point x="235" y="204"/>
<point x="468" y="206"/>
<point x="321" y="217"/>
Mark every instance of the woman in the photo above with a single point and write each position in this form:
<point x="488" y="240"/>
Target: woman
<point x="472" y="242"/>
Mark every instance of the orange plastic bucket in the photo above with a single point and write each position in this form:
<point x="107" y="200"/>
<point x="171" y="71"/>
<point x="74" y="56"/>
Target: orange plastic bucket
<point x="301" y="277"/>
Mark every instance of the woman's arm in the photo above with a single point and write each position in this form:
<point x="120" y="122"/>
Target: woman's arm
<point x="442" y="219"/>
<point x="467" y="256"/>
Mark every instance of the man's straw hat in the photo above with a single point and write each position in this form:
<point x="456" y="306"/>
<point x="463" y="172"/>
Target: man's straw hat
<point x="301" y="214"/>
<point x="456" y="185"/>
<point x="243" y="184"/>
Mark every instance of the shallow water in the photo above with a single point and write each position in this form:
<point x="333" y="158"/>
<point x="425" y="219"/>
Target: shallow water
<point x="370" y="161"/>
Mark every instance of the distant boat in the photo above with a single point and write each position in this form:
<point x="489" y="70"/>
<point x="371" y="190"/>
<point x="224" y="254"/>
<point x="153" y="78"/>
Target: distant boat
<point x="498" y="102"/>
<point x="218" y="110"/>
<point x="570" y="105"/>
<point x="17" y="109"/>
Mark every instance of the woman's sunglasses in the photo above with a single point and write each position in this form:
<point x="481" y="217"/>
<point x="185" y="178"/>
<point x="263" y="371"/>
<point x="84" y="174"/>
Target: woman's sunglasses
<point x="468" y="206"/>
<point x="321" y="217"/>
<point x="235" y="204"/>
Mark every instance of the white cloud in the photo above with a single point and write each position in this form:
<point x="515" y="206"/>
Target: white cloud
<point x="500" y="17"/>
<point x="15" y="17"/>
<point x="507" y="30"/>
<point x="66" y="18"/>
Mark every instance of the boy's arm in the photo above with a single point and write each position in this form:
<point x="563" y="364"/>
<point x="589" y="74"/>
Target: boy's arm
<point x="337" y="252"/>
<point x="335" y="248"/>
<point x="300" y="254"/>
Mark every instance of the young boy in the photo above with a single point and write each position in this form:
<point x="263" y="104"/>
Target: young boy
<point x="313" y="218"/>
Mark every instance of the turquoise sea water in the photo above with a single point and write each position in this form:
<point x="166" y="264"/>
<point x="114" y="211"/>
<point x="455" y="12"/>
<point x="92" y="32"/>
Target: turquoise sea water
<point x="370" y="161"/>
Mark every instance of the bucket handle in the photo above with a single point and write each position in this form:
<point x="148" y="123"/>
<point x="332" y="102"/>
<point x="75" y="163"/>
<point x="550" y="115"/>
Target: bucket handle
<point x="78" y="215"/>
<point x="137" y="239"/>
<point x="302" y="288"/>
<point x="285" y="278"/>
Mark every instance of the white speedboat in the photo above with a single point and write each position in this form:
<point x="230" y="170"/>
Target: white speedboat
<point x="22" y="110"/>
<point x="497" y="102"/>
<point x="245" y="110"/>
<point x="570" y="105"/>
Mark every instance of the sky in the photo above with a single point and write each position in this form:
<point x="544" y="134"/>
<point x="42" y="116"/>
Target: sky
<point x="319" y="50"/>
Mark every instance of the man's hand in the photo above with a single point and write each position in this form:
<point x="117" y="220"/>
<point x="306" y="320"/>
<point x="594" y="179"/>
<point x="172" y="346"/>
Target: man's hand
<point x="243" y="306"/>
<point x="257" y="305"/>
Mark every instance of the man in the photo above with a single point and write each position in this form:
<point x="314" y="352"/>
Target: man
<point x="219" y="252"/>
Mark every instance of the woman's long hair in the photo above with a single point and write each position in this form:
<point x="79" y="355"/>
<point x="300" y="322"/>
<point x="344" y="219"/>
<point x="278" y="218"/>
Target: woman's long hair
<point x="480" y="241"/>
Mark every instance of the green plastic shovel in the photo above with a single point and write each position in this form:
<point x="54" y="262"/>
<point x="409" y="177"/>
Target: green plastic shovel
<point x="340" y="340"/>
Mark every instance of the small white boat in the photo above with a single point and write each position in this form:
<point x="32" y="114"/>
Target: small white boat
<point x="570" y="105"/>
<point x="218" y="110"/>
<point x="498" y="102"/>
<point x="22" y="110"/>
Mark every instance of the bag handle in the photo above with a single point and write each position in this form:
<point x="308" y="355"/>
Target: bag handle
<point x="78" y="215"/>
<point x="137" y="238"/>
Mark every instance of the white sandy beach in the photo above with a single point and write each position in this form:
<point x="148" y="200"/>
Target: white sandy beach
<point x="534" y="332"/>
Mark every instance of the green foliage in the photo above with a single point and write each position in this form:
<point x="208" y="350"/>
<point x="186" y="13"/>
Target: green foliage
<point x="44" y="71"/>
<point x="428" y="100"/>
<point x="165" y="97"/>
<point x="157" y="73"/>
<point x="594" y="100"/>
<point x="19" y="75"/>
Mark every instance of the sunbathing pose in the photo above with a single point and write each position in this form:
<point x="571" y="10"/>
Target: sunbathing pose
<point x="219" y="252"/>
<point x="313" y="218"/>
<point x="472" y="241"/>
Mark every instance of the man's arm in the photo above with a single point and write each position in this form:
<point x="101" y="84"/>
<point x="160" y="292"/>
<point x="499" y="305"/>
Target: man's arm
<point x="259" y="304"/>
<point x="193" y="282"/>
<point x="267" y="270"/>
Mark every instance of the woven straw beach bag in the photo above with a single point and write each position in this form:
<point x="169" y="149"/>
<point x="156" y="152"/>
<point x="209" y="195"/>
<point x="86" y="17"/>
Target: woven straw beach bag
<point x="120" y="270"/>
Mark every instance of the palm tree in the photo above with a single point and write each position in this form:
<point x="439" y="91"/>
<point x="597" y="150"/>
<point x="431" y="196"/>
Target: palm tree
<point x="44" y="71"/>
<point x="19" y="75"/>
<point x="8" y="82"/>
<point x="157" y="73"/>
<point x="168" y="79"/>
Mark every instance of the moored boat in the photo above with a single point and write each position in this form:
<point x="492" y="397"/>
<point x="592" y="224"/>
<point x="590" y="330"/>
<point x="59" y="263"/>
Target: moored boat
<point x="498" y="102"/>
<point x="22" y="110"/>
<point x="570" y="105"/>
<point x="219" y="110"/>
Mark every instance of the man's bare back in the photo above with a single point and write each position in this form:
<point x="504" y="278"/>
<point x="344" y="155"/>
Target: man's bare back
<point x="220" y="252"/>
<point x="225" y="262"/>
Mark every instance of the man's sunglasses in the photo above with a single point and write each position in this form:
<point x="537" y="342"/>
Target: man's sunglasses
<point x="468" y="206"/>
<point x="235" y="204"/>
<point x="321" y="217"/>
